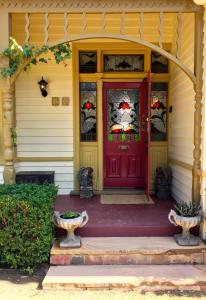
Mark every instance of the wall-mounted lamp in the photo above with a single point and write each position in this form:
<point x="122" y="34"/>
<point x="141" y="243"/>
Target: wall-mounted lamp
<point x="42" y="85"/>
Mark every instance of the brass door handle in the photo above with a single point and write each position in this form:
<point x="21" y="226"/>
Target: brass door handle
<point x="123" y="147"/>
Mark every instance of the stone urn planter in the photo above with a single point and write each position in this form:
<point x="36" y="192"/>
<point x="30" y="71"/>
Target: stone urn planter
<point x="70" y="221"/>
<point x="186" y="222"/>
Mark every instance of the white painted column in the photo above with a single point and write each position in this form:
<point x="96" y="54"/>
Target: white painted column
<point x="203" y="154"/>
<point x="6" y="97"/>
<point x="203" y="136"/>
<point x="8" y="112"/>
<point x="4" y="41"/>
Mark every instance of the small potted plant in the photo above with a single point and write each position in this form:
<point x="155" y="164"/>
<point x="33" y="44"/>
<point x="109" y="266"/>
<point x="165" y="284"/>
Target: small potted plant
<point x="70" y="220"/>
<point x="187" y="216"/>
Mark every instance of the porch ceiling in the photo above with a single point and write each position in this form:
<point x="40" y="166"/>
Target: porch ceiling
<point x="152" y="27"/>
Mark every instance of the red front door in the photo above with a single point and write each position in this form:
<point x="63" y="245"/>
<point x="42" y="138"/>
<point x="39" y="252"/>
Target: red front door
<point x="124" y="135"/>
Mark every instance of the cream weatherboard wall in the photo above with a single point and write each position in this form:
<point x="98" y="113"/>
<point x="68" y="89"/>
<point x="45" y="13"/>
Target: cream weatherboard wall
<point x="1" y="141"/>
<point x="45" y="131"/>
<point x="181" y="131"/>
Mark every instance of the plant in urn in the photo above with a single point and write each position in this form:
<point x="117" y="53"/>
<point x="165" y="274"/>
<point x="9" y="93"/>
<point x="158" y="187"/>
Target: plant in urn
<point x="186" y="216"/>
<point x="69" y="221"/>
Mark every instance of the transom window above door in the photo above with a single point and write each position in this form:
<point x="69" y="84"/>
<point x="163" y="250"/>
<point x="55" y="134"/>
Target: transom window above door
<point x="124" y="63"/>
<point x="136" y="63"/>
<point x="159" y="63"/>
<point x="88" y="62"/>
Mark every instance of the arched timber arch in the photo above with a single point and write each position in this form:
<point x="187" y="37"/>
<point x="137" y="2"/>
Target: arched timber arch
<point x="136" y="40"/>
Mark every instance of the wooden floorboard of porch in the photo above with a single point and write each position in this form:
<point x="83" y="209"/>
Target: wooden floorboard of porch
<point x="120" y="220"/>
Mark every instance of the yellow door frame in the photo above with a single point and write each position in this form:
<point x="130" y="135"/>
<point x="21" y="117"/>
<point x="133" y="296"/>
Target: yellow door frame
<point x="92" y="152"/>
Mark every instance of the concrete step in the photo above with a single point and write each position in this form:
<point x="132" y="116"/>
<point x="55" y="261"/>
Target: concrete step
<point x="128" y="251"/>
<point x="140" y="278"/>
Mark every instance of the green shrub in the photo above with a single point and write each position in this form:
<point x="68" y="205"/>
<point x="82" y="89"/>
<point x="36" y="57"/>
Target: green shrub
<point x="26" y="227"/>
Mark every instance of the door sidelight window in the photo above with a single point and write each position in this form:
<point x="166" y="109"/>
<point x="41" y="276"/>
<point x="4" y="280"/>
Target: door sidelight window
<point x="88" y="113"/>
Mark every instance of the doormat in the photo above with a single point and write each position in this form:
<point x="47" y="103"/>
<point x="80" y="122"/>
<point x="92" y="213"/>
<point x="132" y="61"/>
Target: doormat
<point x="125" y="199"/>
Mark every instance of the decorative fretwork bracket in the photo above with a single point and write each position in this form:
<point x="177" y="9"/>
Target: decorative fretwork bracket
<point x="99" y="5"/>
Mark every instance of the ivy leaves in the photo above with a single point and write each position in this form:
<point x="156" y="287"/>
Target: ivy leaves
<point x="22" y="57"/>
<point x="61" y="52"/>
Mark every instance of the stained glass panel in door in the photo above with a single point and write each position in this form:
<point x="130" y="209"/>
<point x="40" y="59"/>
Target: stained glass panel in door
<point x="123" y="115"/>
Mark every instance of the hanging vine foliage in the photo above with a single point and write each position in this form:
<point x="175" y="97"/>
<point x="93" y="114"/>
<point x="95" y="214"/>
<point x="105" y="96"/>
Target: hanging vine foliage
<point x="22" y="57"/>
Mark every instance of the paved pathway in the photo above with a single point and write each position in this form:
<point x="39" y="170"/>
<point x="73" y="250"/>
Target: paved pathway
<point x="14" y="286"/>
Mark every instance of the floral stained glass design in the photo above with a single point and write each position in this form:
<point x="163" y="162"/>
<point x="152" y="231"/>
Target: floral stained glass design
<point x="126" y="63"/>
<point x="88" y="95"/>
<point x="159" y="111"/>
<point x="123" y="115"/>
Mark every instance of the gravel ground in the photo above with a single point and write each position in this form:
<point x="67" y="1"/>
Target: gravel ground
<point x="17" y="286"/>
